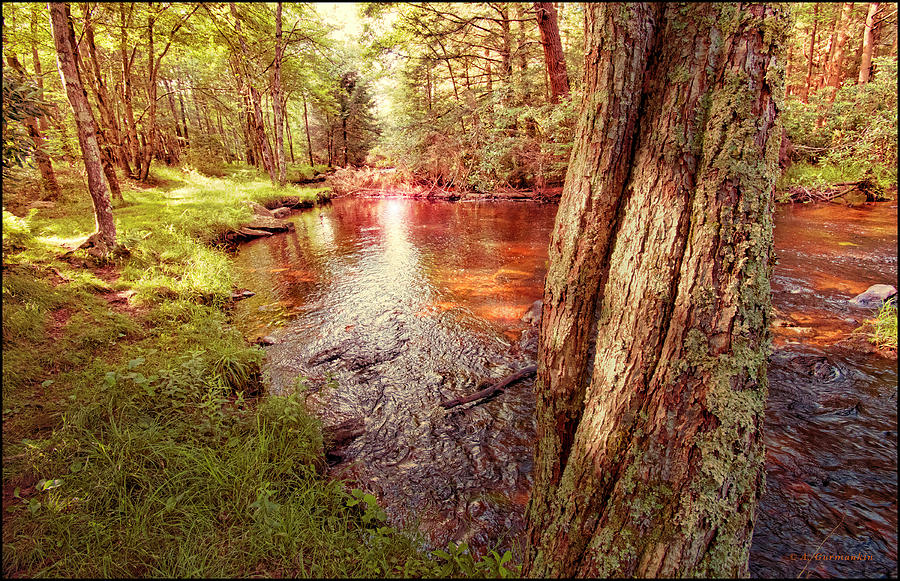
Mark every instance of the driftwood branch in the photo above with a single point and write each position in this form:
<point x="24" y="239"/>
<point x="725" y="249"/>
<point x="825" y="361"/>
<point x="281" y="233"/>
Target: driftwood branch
<point x="490" y="390"/>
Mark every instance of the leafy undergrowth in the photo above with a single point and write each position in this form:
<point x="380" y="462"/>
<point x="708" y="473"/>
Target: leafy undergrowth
<point x="135" y="438"/>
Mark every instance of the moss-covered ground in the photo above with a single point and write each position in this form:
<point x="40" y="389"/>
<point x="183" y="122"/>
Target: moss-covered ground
<point x="137" y="437"/>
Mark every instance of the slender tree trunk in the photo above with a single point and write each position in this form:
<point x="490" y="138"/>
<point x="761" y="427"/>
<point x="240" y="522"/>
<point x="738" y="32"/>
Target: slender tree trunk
<point x="505" y="54"/>
<point x="109" y="125"/>
<point x="64" y="40"/>
<point x="222" y="135"/>
<point x="487" y="72"/>
<point x="829" y="48"/>
<point x="654" y="335"/>
<point x="36" y="61"/>
<point x="106" y="155"/>
<point x="149" y="141"/>
<point x="865" y="65"/>
<point x="290" y="137"/>
<point x="789" y="74"/>
<point x="554" y="59"/>
<point x="306" y="127"/>
<point x="45" y="166"/>
<point x="804" y="94"/>
<point x="344" y="136"/>
<point x="184" y="125"/>
<point x="521" y="55"/>
<point x="259" y="125"/>
<point x="127" y="96"/>
<point x="171" y="99"/>
<point x="428" y="86"/>
<point x="277" y="103"/>
<point x="836" y="63"/>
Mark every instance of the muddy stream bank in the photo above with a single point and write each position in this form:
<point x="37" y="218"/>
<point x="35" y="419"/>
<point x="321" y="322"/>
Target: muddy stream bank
<point x="388" y="307"/>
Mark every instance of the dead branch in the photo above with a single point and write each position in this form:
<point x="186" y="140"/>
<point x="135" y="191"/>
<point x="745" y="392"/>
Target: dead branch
<point x="527" y="372"/>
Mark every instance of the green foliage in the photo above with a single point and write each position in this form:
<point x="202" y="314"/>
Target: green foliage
<point x="852" y="138"/>
<point x="883" y="328"/>
<point x="158" y="460"/>
<point x="21" y="99"/>
<point x="16" y="231"/>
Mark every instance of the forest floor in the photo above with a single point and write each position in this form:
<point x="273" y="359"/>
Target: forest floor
<point x="136" y="441"/>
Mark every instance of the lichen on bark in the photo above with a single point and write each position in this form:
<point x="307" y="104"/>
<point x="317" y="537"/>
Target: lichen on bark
<point x="652" y="464"/>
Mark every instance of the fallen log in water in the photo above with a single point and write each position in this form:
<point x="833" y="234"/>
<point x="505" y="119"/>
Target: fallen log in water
<point x="490" y="390"/>
<point x="866" y="186"/>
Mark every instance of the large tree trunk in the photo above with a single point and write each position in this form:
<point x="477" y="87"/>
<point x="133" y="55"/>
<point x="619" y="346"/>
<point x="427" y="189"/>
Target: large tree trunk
<point x="804" y="93"/>
<point x="865" y="65"/>
<point x="652" y="363"/>
<point x="277" y="103"/>
<point x="554" y="59"/>
<point x="87" y="127"/>
<point x="45" y="166"/>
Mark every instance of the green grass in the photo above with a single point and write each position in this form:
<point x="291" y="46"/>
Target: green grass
<point x="884" y="327"/>
<point x="135" y="441"/>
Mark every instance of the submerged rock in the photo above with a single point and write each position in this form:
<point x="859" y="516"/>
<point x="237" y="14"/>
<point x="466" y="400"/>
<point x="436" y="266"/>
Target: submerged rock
<point x="874" y="296"/>
<point x="269" y="223"/>
<point x="533" y="315"/>
<point x="281" y="212"/>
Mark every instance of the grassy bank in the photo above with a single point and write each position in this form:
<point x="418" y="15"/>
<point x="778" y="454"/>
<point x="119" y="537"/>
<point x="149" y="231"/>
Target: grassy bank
<point x="136" y="438"/>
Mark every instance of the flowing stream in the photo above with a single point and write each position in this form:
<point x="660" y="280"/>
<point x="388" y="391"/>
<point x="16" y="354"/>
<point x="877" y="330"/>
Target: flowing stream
<point x="388" y="307"/>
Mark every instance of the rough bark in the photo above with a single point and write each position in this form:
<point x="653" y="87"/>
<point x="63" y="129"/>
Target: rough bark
<point x="804" y="93"/>
<point x="86" y="125"/>
<point x="865" y="65"/>
<point x="554" y="59"/>
<point x="651" y="370"/>
<point x="45" y="166"/>
<point x="277" y="103"/>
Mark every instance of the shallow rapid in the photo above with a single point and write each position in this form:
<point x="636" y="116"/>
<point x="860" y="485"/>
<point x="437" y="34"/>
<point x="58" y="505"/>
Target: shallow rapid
<point x="388" y="307"/>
